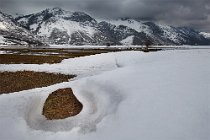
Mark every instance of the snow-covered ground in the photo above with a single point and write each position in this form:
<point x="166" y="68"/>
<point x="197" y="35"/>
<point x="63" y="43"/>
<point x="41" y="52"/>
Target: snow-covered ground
<point x="125" y="95"/>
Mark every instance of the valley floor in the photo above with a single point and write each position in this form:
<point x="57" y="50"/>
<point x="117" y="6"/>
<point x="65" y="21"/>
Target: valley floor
<point x="125" y="95"/>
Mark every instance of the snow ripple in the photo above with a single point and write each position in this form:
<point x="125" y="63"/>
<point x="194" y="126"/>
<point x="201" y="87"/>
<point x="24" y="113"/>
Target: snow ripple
<point x="98" y="101"/>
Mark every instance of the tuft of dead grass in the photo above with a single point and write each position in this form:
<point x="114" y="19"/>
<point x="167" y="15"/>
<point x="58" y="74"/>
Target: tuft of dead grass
<point x="23" y="80"/>
<point x="61" y="104"/>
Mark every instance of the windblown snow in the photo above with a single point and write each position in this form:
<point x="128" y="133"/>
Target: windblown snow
<point x="125" y="95"/>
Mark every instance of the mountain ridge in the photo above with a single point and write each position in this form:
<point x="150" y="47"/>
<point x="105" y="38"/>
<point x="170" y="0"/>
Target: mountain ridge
<point x="58" y="26"/>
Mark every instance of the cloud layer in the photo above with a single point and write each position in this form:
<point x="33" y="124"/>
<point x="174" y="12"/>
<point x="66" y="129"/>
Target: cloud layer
<point x="192" y="13"/>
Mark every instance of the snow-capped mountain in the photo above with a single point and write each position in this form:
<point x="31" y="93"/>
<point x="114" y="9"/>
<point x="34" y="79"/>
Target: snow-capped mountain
<point x="162" y="34"/>
<point x="64" y="27"/>
<point x="12" y="33"/>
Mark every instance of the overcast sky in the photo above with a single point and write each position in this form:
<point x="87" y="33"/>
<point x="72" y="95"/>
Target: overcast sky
<point x="192" y="13"/>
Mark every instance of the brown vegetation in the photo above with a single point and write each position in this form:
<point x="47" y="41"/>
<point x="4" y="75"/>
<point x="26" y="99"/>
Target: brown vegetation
<point x="47" y="55"/>
<point x="29" y="59"/>
<point x="23" y="80"/>
<point x="61" y="104"/>
<point x="40" y="56"/>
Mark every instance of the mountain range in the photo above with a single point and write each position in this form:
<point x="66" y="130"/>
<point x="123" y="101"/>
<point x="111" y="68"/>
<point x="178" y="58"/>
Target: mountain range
<point x="58" y="26"/>
<point x="12" y="33"/>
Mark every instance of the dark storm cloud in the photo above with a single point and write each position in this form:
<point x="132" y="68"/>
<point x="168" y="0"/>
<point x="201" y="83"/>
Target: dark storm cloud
<point x="193" y="13"/>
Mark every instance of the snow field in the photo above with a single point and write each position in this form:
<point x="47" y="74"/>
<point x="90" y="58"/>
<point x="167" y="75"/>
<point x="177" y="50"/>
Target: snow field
<point x="125" y="95"/>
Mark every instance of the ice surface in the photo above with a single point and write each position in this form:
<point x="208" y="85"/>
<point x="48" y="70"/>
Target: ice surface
<point x="125" y="95"/>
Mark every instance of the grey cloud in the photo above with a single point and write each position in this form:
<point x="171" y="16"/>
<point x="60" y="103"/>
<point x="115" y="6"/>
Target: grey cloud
<point x="193" y="13"/>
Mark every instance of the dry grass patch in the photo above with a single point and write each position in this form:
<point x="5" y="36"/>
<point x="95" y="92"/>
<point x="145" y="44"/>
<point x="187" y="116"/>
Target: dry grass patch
<point x="40" y="56"/>
<point x="61" y="104"/>
<point x="29" y="59"/>
<point x="23" y="80"/>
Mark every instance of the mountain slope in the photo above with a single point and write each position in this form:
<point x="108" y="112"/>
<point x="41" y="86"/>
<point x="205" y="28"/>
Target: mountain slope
<point x="120" y="33"/>
<point x="12" y="33"/>
<point x="164" y="34"/>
